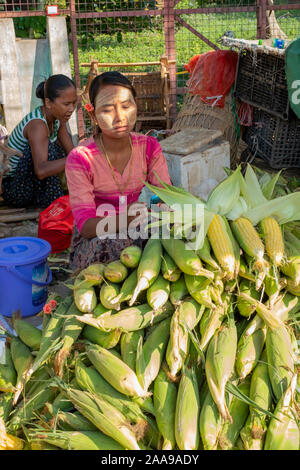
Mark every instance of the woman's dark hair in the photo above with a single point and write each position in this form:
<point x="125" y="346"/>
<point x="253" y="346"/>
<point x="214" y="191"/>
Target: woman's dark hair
<point x="53" y="86"/>
<point x="109" y="78"/>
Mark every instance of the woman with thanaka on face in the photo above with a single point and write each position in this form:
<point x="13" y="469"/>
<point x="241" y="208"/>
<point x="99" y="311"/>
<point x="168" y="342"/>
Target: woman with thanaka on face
<point x="106" y="174"/>
<point x="43" y="140"/>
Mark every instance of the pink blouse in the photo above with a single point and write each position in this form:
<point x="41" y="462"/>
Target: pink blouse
<point x="90" y="180"/>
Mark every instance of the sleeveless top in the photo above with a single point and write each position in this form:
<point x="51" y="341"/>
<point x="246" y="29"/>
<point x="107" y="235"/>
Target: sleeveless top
<point x="17" y="140"/>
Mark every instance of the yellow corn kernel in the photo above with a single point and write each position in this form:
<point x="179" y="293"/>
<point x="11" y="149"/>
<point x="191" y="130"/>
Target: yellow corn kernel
<point x="13" y="443"/>
<point x="222" y="245"/>
<point x="272" y="235"/>
<point x="249" y="239"/>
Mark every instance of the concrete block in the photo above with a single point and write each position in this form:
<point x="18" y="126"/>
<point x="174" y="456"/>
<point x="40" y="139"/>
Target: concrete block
<point x="60" y="58"/>
<point x="11" y="81"/>
<point x="200" y="171"/>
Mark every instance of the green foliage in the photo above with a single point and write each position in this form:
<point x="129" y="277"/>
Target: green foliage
<point x="30" y="27"/>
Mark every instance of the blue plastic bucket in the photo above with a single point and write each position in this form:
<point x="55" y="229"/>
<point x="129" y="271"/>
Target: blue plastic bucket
<point x="24" y="275"/>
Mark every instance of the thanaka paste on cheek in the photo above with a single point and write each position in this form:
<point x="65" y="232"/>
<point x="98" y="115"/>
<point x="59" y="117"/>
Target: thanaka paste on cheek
<point x="114" y="96"/>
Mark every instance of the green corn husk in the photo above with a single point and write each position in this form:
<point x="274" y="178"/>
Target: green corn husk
<point x="22" y="359"/>
<point x="85" y="298"/>
<point x="210" y="423"/>
<point x="77" y="440"/>
<point x="115" y="372"/>
<point x="29" y="334"/>
<point x="91" y="276"/>
<point x="212" y="320"/>
<point x="186" y="259"/>
<point x="89" y="379"/>
<point x="100" y="310"/>
<point x="219" y="364"/>
<point x="245" y="272"/>
<point x="187" y="411"/>
<point x="189" y="313"/>
<point x="204" y="254"/>
<point x="238" y="410"/>
<point x="108" y="293"/>
<point x="267" y="315"/>
<point x="70" y="333"/>
<point x="104" y="416"/>
<point x="291" y="268"/>
<point x="41" y="375"/>
<point x="198" y="287"/>
<point x="151" y="353"/>
<point x="130" y="319"/>
<point x="26" y="409"/>
<point x="6" y="405"/>
<point x="246" y="308"/>
<point x="280" y="359"/>
<point x="73" y="422"/>
<point x="169" y="268"/>
<point x="164" y="400"/>
<point x="128" y="344"/>
<point x="148" y="268"/>
<point x="8" y="375"/>
<point x="131" y="256"/>
<point x="115" y="272"/>
<point x="249" y="351"/>
<point x="292" y="287"/>
<point x="158" y="293"/>
<point x="283" y="432"/>
<point x="127" y="289"/>
<point x="106" y="340"/>
<point x="178" y="291"/>
<point x="249" y="442"/>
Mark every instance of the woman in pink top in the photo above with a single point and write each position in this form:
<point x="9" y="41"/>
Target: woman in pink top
<point x="106" y="174"/>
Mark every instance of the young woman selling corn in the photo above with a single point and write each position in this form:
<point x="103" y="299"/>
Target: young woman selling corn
<point x="43" y="140"/>
<point x="105" y="174"/>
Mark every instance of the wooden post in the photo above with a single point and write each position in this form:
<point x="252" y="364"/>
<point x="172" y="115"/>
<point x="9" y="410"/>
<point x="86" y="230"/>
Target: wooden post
<point x="169" y="27"/>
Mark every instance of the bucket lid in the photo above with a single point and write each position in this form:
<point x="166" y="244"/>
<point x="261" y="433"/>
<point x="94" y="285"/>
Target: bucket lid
<point x="17" y="251"/>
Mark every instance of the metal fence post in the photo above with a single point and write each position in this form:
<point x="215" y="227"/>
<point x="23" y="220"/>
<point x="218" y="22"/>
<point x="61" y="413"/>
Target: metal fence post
<point x="80" y="121"/>
<point x="169" y="27"/>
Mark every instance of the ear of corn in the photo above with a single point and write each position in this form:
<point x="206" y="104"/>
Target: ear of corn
<point x="249" y="442"/>
<point x="185" y="258"/>
<point x="104" y="416"/>
<point x="293" y="288"/>
<point x="283" y="432"/>
<point x="90" y="276"/>
<point x="76" y="440"/>
<point x="158" y="292"/>
<point x="267" y="315"/>
<point x="29" y="334"/>
<point x="273" y="238"/>
<point x="85" y="298"/>
<point x="249" y="351"/>
<point x="128" y="344"/>
<point x="107" y="340"/>
<point x="246" y="308"/>
<point x="223" y="246"/>
<point x="115" y="271"/>
<point x="187" y="411"/>
<point x="22" y="359"/>
<point x="164" y="400"/>
<point x="127" y="289"/>
<point x="249" y="240"/>
<point x="189" y="313"/>
<point x="74" y="422"/>
<point x="108" y="293"/>
<point x="151" y="353"/>
<point x="148" y="268"/>
<point x="280" y="359"/>
<point x="291" y="268"/>
<point x="219" y="364"/>
<point x="211" y="322"/>
<point x="169" y="268"/>
<point x="198" y="287"/>
<point x="131" y="319"/>
<point x="204" y="254"/>
<point x="131" y="256"/>
<point x="210" y="423"/>
<point x="238" y="410"/>
<point x="178" y="291"/>
<point x="116" y="372"/>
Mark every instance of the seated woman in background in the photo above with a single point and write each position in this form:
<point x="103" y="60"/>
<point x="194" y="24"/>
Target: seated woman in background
<point x="43" y="139"/>
<point x="107" y="172"/>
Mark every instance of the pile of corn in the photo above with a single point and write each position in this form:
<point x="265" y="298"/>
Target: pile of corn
<point x="166" y="348"/>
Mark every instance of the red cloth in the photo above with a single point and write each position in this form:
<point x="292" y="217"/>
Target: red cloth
<point x="212" y="76"/>
<point x="56" y="224"/>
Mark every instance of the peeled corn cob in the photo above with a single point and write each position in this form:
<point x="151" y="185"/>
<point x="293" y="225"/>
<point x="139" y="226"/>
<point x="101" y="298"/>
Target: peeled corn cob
<point x="272" y="235"/>
<point x="222" y="245"/>
<point x="249" y="240"/>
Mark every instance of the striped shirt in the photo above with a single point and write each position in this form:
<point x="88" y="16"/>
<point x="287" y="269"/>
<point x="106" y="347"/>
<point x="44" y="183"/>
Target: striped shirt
<point x="90" y="180"/>
<point x="17" y="140"/>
